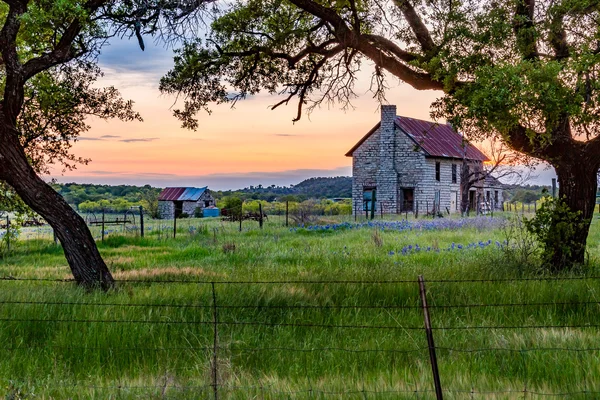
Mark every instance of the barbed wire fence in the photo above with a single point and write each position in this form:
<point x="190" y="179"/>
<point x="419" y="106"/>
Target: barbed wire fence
<point x="220" y="317"/>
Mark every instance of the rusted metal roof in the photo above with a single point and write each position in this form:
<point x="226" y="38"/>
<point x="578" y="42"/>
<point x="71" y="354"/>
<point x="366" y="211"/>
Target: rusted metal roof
<point x="181" y="194"/>
<point x="437" y="140"/>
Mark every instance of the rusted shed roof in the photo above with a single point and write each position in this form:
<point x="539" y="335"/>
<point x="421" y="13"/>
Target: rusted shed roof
<point x="170" y="193"/>
<point x="181" y="194"/>
<point x="437" y="140"/>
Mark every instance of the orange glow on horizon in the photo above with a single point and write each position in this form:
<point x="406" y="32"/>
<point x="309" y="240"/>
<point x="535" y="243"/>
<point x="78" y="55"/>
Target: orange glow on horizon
<point x="248" y="138"/>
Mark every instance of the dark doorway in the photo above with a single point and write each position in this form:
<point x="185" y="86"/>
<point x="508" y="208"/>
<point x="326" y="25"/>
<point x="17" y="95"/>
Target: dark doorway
<point x="407" y="199"/>
<point x="178" y="208"/>
<point x="472" y="203"/>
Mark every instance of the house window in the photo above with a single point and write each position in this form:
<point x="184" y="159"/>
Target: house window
<point x="453" y="173"/>
<point x="495" y="197"/>
<point x="437" y="171"/>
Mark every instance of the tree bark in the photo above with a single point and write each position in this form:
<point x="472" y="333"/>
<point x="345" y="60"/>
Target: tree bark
<point x="80" y="250"/>
<point x="465" y="187"/>
<point x="577" y="180"/>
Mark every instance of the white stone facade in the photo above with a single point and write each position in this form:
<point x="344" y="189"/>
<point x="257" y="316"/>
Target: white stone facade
<point x="391" y="162"/>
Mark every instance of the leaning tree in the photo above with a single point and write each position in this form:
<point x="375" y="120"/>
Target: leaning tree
<point x="523" y="71"/>
<point x="48" y="72"/>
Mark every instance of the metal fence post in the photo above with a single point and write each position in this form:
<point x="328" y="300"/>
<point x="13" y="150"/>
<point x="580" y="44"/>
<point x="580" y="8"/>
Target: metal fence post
<point x="260" y="218"/>
<point x="103" y="224"/>
<point x="214" y="374"/>
<point x="141" y="221"/>
<point x="287" y="210"/>
<point x="430" y="342"/>
<point x="174" y="226"/>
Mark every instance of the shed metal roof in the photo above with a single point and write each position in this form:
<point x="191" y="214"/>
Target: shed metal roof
<point x="437" y="140"/>
<point x="181" y="193"/>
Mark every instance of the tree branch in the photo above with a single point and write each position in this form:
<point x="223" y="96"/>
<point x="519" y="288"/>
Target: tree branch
<point x="63" y="51"/>
<point x="558" y="36"/>
<point x="391" y="47"/>
<point x="417" y="26"/>
<point x="524" y="29"/>
<point x="349" y="38"/>
<point x="13" y="90"/>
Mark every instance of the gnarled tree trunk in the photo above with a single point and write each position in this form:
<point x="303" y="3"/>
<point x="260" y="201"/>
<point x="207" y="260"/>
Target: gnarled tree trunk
<point x="577" y="180"/>
<point x="79" y="247"/>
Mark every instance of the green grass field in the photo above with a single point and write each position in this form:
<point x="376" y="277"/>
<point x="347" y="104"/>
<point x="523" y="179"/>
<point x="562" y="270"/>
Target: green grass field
<point x="362" y="338"/>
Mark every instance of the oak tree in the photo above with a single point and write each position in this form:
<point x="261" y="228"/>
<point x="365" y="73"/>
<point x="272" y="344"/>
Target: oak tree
<point x="48" y="68"/>
<point x="523" y="71"/>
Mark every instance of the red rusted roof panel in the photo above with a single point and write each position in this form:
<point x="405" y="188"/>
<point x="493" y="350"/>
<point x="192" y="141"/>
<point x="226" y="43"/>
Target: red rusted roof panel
<point x="171" y="194"/>
<point x="438" y="140"/>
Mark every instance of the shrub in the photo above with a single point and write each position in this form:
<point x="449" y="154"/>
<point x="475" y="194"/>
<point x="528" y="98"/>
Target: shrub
<point x="554" y="226"/>
<point x="184" y="215"/>
<point x="232" y="206"/>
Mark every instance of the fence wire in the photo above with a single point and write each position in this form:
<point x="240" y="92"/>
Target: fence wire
<point x="220" y="317"/>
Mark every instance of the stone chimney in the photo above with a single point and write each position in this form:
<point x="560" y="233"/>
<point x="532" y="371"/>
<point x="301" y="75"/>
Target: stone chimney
<point x="387" y="178"/>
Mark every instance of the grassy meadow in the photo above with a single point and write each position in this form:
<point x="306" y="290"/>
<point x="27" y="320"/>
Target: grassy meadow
<point x="285" y="330"/>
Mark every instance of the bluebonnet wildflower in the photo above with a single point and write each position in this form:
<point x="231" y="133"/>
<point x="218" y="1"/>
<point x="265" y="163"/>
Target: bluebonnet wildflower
<point x="481" y="222"/>
<point x="410" y="249"/>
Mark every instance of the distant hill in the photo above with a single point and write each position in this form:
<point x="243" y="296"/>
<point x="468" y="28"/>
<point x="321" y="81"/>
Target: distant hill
<point x="339" y="186"/>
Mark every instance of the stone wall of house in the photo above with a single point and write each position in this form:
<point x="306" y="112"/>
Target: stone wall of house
<point x="166" y="209"/>
<point x="490" y="193"/>
<point x="449" y="193"/>
<point x="365" y="164"/>
<point x="410" y="168"/>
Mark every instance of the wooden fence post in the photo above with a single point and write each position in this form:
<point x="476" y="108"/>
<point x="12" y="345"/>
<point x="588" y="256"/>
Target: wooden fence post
<point x="373" y="204"/>
<point x="7" y="234"/>
<point x="103" y="224"/>
<point x="141" y="221"/>
<point x="287" y="211"/>
<point x="260" y="218"/>
<point x="430" y="342"/>
<point x="174" y="226"/>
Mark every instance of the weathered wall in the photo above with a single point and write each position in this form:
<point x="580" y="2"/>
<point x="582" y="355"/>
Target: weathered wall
<point x="166" y="209"/>
<point x="428" y="185"/>
<point x="189" y="207"/>
<point x="365" y="164"/>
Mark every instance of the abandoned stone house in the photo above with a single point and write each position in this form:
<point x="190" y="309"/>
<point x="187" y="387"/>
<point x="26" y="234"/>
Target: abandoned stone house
<point x="410" y="165"/>
<point x="175" y="201"/>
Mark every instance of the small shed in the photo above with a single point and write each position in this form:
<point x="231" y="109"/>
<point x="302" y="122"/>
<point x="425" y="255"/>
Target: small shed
<point x="174" y="201"/>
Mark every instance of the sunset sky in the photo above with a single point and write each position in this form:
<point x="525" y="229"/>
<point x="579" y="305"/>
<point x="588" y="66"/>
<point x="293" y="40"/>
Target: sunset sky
<point x="232" y="148"/>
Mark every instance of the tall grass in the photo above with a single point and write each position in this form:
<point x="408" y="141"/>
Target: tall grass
<point x="294" y="340"/>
